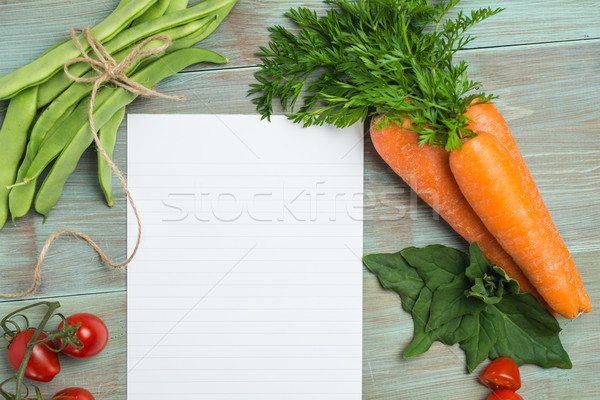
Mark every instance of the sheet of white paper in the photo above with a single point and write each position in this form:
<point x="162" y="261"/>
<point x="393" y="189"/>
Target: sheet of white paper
<point x="248" y="281"/>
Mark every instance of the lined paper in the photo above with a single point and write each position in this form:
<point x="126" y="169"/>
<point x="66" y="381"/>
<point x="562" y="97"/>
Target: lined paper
<point x="248" y="281"/>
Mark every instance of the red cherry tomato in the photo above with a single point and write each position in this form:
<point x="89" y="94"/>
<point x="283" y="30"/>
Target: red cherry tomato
<point x="92" y="333"/>
<point x="502" y="373"/>
<point x="73" y="393"/>
<point x="504" y="394"/>
<point x="43" y="364"/>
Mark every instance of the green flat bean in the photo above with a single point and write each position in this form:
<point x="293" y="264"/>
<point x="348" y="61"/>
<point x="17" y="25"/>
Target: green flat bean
<point x="123" y="3"/>
<point x="134" y="34"/>
<point x="158" y="9"/>
<point x="61" y="134"/>
<point x="44" y="67"/>
<point x="48" y="50"/>
<point x="59" y="82"/>
<point x="55" y="45"/>
<point x="21" y="197"/>
<point x="176" y="5"/>
<point x="51" y="114"/>
<point x="108" y="138"/>
<point x="204" y="31"/>
<point x="65" y="164"/>
<point x="196" y="32"/>
<point x="207" y="27"/>
<point x="200" y="34"/>
<point x="13" y="140"/>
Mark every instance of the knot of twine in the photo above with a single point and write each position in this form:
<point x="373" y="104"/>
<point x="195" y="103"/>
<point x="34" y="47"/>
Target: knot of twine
<point x="107" y="70"/>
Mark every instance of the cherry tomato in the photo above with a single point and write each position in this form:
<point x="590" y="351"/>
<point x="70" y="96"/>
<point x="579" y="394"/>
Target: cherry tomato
<point x="92" y="333"/>
<point x="73" y="393"/>
<point x="502" y="373"/>
<point x="504" y="394"/>
<point x="43" y="364"/>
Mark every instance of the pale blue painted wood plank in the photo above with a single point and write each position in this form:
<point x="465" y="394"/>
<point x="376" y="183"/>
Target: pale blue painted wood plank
<point x="538" y="85"/>
<point x="28" y="27"/>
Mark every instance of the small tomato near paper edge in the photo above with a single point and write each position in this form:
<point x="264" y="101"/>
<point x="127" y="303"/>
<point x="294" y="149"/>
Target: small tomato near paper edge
<point x="92" y="333"/>
<point x="504" y="394"/>
<point x="501" y="373"/>
<point x="43" y="364"/>
<point x="74" y="393"/>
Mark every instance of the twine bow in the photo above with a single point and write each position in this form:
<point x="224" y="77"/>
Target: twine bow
<point x="107" y="70"/>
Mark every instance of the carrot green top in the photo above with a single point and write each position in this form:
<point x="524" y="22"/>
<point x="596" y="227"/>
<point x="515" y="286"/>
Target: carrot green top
<point x="371" y="56"/>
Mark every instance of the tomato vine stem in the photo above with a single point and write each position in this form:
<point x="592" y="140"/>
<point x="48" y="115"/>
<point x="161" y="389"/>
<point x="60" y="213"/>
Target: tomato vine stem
<point x="52" y="307"/>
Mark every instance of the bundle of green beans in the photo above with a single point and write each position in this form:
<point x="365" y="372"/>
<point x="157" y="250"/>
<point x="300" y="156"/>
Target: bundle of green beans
<point x="47" y="117"/>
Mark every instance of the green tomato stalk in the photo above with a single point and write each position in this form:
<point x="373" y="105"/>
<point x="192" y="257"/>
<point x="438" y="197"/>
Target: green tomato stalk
<point x="67" y="335"/>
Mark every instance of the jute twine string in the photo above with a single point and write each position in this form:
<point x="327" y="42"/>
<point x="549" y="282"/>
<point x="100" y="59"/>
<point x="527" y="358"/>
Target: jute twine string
<point x="108" y="70"/>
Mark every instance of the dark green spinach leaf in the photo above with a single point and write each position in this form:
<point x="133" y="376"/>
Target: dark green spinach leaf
<point x="490" y="281"/>
<point x="395" y="274"/>
<point x="457" y="298"/>
<point x="422" y="339"/>
<point x="449" y="302"/>
<point x="436" y="264"/>
<point x="478" y="346"/>
<point x="529" y="333"/>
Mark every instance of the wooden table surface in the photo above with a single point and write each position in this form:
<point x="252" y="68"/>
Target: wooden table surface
<point x="542" y="57"/>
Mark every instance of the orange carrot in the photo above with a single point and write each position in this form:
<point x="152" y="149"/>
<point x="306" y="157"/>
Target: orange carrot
<point x="427" y="171"/>
<point x="486" y="118"/>
<point x="492" y="183"/>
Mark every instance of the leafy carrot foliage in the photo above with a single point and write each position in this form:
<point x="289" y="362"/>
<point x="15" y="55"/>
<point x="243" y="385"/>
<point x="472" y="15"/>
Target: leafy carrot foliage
<point x="370" y="56"/>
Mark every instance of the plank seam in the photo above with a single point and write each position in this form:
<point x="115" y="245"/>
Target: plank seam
<point x="531" y="44"/>
<point x="58" y="297"/>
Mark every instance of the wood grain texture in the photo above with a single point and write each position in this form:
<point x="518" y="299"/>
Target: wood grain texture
<point x="535" y="21"/>
<point x="24" y="38"/>
<point x="547" y="92"/>
<point x="71" y="266"/>
<point x="29" y="27"/>
<point x="103" y="375"/>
